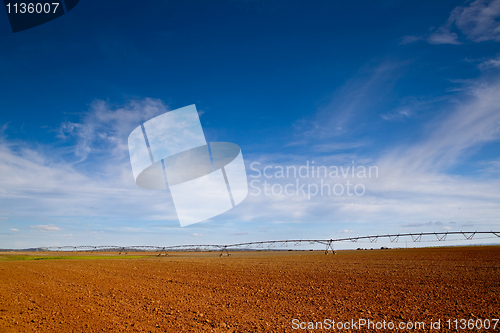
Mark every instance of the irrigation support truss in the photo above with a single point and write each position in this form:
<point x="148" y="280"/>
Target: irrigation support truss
<point x="224" y="249"/>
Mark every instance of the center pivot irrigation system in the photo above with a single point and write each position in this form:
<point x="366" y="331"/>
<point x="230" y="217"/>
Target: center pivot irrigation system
<point x="272" y="244"/>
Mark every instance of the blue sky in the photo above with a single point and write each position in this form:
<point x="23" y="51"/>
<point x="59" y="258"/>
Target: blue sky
<point x="412" y="88"/>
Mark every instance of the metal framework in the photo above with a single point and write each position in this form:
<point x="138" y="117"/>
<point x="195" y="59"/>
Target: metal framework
<point x="224" y="249"/>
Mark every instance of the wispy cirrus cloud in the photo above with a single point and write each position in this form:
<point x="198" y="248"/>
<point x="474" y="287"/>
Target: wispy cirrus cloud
<point x="490" y="63"/>
<point x="412" y="185"/>
<point x="48" y="227"/>
<point x="491" y="167"/>
<point x="477" y="22"/>
<point x="104" y="129"/>
<point x="398" y="115"/>
<point x="351" y="102"/>
<point x="475" y="122"/>
<point x="43" y="182"/>
<point x="411" y="39"/>
<point x="447" y="226"/>
<point x="338" y="146"/>
<point x="443" y="35"/>
<point x="415" y="183"/>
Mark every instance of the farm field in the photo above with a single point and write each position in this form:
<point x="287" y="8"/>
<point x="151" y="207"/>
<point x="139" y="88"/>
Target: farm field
<point x="247" y="291"/>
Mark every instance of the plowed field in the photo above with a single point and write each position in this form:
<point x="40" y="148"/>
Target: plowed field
<point x="249" y="291"/>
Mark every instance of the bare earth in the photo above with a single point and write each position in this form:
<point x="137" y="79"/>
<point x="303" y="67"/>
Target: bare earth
<point x="248" y="292"/>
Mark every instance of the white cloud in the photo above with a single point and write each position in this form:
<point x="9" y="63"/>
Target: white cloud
<point x="99" y="193"/>
<point x="357" y="98"/>
<point x="131" y="229"/>
<point x="410" y="39"/>
<point x="398" y="115"/>
<point x="49" y="227"/>
<point x="479" y="22"/>
<point x="475" y="122"/>
<point x="414" y="184"/>
<point x="14" y="229"/>
<point x="490" y="63"/>
<point x="411" y="106"/>
<point x="443" y="36"/>
<point x="105" y="129"/>
<point x="491" y="167"/>
<point x="3" y="218"/>
<point x="337" y="146"/>
<point x="44" y="185"/>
